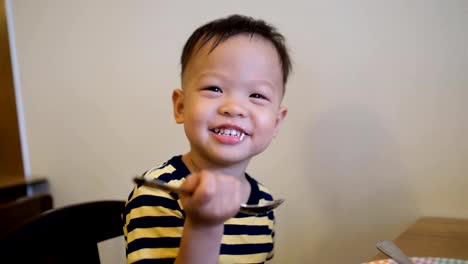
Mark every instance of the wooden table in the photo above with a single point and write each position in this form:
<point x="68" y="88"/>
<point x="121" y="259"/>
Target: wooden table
<point x="434" y="237"/>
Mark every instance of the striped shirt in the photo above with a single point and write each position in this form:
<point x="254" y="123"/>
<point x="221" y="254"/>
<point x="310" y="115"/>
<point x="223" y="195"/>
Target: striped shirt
<point x="154" y="220"/>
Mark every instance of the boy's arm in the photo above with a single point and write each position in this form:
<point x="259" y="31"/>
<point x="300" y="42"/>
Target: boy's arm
<point x="200" y="244"/>
<point x="214" y="199"/>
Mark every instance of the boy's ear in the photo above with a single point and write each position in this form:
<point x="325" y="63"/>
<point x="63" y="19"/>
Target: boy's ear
<point x="178" y="105"/>
<point x="282" y="112"/>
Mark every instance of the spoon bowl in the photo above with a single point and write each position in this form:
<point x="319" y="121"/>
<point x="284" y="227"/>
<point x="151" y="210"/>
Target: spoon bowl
<point x="250" y="209"/>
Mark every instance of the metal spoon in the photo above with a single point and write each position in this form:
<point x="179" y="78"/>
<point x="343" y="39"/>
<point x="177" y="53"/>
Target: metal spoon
<point x="250" y="209"/>
<point x="393" y="251"/>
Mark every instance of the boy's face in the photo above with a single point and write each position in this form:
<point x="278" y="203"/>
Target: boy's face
<point x="230" y="100"/>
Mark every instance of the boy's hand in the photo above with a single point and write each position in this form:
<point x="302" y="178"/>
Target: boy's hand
<point x="215" y="198"/>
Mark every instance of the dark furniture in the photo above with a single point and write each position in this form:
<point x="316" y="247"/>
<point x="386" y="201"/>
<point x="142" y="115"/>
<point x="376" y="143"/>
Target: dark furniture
<point x="13" y="187"/>
<point x="65" y="235"/>
<point x="15" y="213"/>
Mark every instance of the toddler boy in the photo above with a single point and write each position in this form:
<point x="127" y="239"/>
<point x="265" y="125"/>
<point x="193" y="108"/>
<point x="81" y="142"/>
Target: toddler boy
<point x="234" y="72"/>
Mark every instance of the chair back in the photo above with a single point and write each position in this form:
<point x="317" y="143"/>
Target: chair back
<point x="68" y="234"/>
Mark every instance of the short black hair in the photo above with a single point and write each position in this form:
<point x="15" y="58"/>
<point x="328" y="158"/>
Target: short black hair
<point x="223" y="28"/>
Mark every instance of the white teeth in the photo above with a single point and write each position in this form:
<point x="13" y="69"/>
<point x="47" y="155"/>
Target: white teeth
<point x="229" y="132"/>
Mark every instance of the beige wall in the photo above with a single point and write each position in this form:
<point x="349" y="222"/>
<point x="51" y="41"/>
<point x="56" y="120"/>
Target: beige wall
<point x="376" y="132"/>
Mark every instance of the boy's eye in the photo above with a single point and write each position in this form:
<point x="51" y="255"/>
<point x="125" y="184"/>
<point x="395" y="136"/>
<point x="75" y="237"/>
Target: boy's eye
<point x="215" y="89"/>
<point x="257" y="96"/>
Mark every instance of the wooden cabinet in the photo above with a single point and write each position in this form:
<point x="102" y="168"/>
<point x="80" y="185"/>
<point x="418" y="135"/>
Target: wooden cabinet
<point x="11" y="162"/>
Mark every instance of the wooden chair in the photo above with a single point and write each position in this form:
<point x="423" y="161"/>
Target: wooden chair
<point x="15" y="213"/>
<point x="65" y="235"/>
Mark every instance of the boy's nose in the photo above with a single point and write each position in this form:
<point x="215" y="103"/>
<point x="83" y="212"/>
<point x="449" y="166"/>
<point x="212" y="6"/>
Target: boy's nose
<point x="232" y="108"/>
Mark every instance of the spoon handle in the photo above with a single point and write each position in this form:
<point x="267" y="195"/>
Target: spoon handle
<point x="250" y="209"/>
<point x="393" y="251"/>
<point x="158" y="184"/>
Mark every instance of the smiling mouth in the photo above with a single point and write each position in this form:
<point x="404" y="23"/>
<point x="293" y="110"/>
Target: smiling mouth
<point x="229" y="132"/>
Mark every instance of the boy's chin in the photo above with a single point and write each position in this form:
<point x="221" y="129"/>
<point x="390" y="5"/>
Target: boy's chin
<point x="230" y="160"/>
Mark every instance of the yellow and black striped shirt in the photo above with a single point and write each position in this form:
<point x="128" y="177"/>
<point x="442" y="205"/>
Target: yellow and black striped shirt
<point x="154" y="221"/>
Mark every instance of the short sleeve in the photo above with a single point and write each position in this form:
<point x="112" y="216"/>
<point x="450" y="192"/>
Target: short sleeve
<point x="153" y="226"/>
<point x="272" y="252"/>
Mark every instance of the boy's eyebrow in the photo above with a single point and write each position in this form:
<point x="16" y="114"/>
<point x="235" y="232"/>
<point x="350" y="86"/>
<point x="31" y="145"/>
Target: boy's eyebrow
<point x="211" y="73"/>
<point x="222" y="76"/>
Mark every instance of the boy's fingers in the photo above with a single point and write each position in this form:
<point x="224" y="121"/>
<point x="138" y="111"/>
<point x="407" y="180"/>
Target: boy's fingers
<point x="202" y="185"/>
<point x="206" y="187"/>
<point x="191" y="182"/>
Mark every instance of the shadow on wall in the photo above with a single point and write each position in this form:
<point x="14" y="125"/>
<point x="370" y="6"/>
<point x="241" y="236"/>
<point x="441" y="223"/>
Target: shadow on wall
<point x="359" y="185"/>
